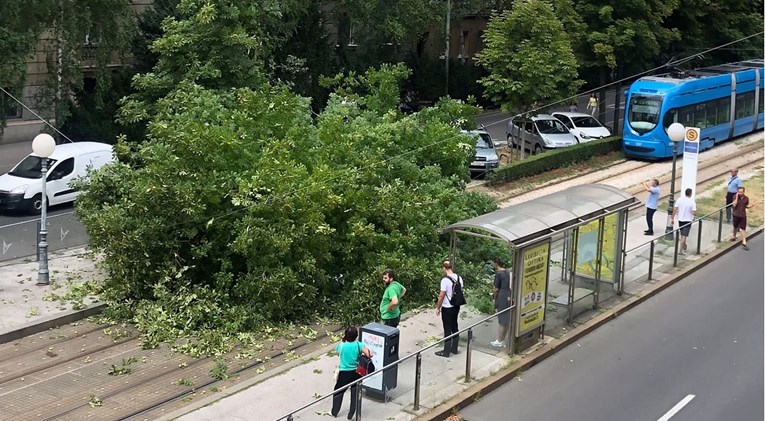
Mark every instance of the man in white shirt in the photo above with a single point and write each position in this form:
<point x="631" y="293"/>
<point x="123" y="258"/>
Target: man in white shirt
<point x="685" y="210"/>
<point x="447" y="311"/>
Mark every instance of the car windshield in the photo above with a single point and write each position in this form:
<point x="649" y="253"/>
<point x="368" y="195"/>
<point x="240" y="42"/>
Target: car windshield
<point x="551" y="127"/>
<point x="586" y="121"/>
<point x="484" y="141"/>
<point x="30" y="167"/>
<point x="643" y="112"/>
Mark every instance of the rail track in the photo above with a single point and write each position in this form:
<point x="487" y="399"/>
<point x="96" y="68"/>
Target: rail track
<point x="88" y="370"/>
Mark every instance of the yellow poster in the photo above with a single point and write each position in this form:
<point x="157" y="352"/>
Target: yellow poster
<point x="533" y="287"/>
<point x="587" y="249"/>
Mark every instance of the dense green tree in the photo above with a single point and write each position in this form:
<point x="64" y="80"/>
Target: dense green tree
<point x="706" y="24"/>
<point x="214" y="45"/>
<point x="241" y="209"/>
<point x="528" y="57"/>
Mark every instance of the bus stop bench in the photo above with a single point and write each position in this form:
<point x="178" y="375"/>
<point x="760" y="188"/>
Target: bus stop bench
<point x="579" y="293"/>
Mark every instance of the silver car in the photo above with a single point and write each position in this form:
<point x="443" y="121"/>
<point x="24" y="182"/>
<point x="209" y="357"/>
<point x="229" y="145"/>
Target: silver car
<point x="541" y="132"/>
<point x="486" y="158"/>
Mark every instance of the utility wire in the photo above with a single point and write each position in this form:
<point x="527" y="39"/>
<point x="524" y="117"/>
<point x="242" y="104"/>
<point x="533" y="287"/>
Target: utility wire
<point x="36" y="115"/>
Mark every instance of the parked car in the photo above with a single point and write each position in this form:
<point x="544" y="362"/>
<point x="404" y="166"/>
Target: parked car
<point x="584" y="126"/>
<point x="486" y="158"/>
<point x="542" y="132"/>
<point x="21" y="189"/>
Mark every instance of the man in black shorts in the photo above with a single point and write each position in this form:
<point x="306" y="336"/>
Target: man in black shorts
<point x="685" y="210"/>
<point x="740" y="205"/>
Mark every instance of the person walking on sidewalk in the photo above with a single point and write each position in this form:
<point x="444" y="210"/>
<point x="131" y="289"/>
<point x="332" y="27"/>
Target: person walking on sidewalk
<point x="651" y="204"/>
<point x="685" y="210"/>
<point x="348" y="350"/>
<point x="390" y="309"/>
<point x="501" y="296"/>
<point x="740" y="205"/>
<point x="734" y="183"/>
<point x="592" y="105"/>
<point x="446" y="310"/>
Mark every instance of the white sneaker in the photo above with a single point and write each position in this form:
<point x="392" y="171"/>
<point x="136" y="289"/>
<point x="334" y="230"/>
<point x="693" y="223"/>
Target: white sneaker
<point x="498" y="344"/>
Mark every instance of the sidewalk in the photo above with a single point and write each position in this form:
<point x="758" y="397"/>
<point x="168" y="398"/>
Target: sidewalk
<point x="26" y="308"/>
<point x="442" y="379"/>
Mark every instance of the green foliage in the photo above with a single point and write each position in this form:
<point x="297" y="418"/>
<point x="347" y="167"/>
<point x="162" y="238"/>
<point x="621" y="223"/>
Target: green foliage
<point x="551" y="160"/>
<point x="528" y="57"/>
<point x="628" y="34"/>
<point x="241" y="210"/>
<point x="88" y="38"/>
<point x="220" y="370"/>
<point x="706" y="23"/>
<point x="212" y="45"/>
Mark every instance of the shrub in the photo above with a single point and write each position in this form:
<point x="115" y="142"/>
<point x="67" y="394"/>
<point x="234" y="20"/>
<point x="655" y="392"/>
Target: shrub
<point x="552" y="160"/>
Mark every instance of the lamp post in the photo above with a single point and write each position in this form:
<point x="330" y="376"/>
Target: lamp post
<point x="676" y="132"/>
<point x="43" y="146"/>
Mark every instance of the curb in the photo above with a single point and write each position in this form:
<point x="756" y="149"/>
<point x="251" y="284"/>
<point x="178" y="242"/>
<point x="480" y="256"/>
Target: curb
<point x="469" y="396"/>
<point x="51" y="322"/>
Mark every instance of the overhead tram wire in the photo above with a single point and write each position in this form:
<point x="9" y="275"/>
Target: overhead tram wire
<point x="36" y="115"/>
<point x="668" y="64"/>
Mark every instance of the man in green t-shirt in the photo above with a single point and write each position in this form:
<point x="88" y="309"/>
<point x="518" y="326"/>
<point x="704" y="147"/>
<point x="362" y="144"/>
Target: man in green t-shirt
<point x="389" y="306"/>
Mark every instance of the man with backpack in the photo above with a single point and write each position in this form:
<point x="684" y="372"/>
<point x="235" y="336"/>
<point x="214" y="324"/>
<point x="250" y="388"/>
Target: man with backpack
<point x="450" y="299"/>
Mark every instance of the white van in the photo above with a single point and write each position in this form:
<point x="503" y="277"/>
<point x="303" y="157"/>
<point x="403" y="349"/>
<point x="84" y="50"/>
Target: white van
<point x="20" y="188"/>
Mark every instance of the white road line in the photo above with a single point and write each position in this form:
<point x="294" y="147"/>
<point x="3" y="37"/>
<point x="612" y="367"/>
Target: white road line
<point x="675" y="409"/>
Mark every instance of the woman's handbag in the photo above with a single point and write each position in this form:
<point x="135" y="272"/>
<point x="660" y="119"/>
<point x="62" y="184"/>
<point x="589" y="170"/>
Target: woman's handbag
<point x="366" y="366"/>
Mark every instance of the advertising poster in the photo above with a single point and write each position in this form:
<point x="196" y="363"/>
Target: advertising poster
<point x="376" y="344"/>
<point x="587" y="249"/>
<point x="533" y="288"/>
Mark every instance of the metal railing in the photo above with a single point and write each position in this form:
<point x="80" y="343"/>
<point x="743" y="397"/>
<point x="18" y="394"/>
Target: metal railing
<point x="417" y="356"/>
<point x="653" y="260"/>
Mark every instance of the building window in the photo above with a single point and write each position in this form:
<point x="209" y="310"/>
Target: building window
<point x="10" y="108"/>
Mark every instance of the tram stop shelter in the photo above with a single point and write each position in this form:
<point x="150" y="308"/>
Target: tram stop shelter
<point x="565" y="253"/>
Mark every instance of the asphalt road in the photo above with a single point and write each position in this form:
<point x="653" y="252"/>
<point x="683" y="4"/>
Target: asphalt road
<point x="694" y="352"/>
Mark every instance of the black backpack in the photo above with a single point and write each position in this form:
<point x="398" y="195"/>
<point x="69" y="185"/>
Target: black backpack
<point x="458" y="297"/>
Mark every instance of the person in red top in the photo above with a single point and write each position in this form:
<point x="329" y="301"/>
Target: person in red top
<point x="740" y="205"/>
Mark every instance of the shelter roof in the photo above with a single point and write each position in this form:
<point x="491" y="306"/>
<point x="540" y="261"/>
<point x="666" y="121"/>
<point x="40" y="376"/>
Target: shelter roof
<point x="546" y="215"/>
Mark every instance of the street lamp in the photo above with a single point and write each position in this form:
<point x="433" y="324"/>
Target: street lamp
<point x="43" y="146"/>
<point x="676" y="132"/>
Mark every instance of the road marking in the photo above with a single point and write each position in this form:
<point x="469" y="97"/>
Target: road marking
<point x="675" y="409"/>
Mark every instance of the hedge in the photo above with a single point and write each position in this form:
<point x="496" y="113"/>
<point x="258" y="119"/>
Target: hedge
<point x="551" y="160"/>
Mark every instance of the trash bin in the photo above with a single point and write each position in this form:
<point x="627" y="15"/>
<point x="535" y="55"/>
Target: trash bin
<point x="382" y="340"/>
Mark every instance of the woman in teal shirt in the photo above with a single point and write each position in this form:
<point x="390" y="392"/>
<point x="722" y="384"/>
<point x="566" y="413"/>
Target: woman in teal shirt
<point x="348" y="350"/>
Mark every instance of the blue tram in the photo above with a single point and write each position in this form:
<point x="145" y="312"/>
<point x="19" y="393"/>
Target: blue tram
<point x="723" y="101"/>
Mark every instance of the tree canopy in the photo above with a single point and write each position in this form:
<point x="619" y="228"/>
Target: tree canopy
<point x="241" y="209"/>
<point x="528" y="56"/>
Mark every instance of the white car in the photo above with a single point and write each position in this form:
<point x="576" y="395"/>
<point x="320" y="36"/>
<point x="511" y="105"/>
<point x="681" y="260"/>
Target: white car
<point x="20" y="189"/>
<point x="583" y="126"/>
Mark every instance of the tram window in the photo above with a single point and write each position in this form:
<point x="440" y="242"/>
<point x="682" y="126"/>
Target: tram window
<point x="670" y="117"/>
<point x="711" y="113"/>
<point x="686" y="115"/>
<point x="762" y="101"/>
<point x="744" y="104"/>
<point x="723" y="110"/>
<point x="700" y="116"/>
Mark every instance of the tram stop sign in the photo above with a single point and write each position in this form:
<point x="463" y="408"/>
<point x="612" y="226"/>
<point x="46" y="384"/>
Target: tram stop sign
<point x="691" y="147"/>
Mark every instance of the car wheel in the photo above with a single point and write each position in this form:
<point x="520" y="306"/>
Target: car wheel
<point x="35" y="204"/>
<point x="537" y="149"/>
